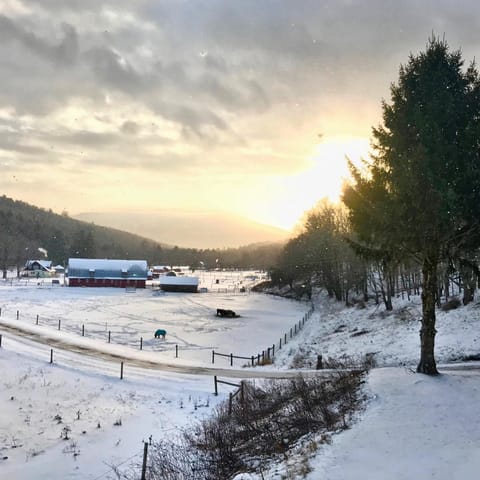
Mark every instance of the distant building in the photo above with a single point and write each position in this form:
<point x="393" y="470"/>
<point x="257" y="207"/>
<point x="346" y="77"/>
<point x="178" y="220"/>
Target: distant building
<point x="59" y="269"/>
<point x="92" y="272"/>
<point x="171" y="282"/>
<point x="158" y="270"/>
<point x="37" y="268"/>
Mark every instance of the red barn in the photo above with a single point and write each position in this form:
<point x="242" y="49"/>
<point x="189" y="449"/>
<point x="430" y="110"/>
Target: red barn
<point x="92" y="272"/>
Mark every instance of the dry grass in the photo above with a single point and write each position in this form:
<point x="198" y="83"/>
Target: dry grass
<point x="265" y="423"/>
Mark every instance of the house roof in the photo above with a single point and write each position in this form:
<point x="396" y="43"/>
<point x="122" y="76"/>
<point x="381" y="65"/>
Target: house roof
<point x="44" y="264"/>
<point x="106" y="268"/>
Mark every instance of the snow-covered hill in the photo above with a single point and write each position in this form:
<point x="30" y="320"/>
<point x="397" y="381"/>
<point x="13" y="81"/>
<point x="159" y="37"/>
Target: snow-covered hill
<point x="413" y="426"/>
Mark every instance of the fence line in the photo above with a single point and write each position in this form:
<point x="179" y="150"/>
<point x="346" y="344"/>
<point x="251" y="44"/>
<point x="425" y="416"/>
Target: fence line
<point x="258" y="359"/>
<point x="52" y="359"/>
<point x="82" y="331"/>
<point x="269" y="352"/>
<point x="240" y="390"/>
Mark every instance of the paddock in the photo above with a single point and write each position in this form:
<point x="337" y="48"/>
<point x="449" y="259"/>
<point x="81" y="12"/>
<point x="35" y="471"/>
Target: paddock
<point x="126" y="317"/>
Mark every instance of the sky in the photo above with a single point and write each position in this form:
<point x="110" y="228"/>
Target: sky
<point x="243" y="107"/>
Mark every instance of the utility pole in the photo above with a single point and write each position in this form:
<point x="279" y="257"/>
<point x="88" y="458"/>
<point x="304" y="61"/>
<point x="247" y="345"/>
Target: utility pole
<point x="144" y="464"/>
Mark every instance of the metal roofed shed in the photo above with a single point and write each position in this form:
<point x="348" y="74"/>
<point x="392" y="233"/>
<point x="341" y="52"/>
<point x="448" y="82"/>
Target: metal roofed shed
<point x="92" y="272"/>
<point x="171" y="282"/>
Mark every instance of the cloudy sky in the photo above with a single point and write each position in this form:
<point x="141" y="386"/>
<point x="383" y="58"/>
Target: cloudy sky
<point x="243" y="106"/>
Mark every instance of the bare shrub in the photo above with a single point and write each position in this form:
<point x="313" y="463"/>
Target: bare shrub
<point x="262" y="362"/>
<point x="264" y="422"/>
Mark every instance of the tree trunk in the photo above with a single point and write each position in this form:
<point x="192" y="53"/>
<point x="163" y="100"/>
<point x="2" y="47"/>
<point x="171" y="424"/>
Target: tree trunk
<point x="446" y="282"/>
<point x="427" y="332"/>
<point x="469" y="283"/>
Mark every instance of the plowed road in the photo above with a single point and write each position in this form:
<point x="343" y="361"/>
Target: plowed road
<point x="135" y="360"/>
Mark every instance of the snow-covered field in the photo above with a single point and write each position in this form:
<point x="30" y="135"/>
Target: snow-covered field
<point x="131" y="318"/>
<point x="413" y="426"/>
<point x="84" y="397"/>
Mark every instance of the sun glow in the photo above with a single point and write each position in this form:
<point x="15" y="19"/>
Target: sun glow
<point x="330" y="163"/>
<point x="325" y="177"/>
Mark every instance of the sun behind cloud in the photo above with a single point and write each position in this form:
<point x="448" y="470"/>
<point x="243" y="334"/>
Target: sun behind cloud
<point x="328" y="169"/>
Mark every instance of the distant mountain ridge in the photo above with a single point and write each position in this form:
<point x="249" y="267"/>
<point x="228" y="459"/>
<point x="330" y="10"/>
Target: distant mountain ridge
<point x="32" y="233"/>
<point x="189" y="229"/>
<point x="29" y="233"/>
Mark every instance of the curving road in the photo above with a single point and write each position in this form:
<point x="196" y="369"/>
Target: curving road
<point x="45" y="338"/>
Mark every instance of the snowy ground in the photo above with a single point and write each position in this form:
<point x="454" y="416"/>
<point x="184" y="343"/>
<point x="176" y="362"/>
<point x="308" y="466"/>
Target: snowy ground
<point x="413" y="426"/>
<point x="132" y="317"/>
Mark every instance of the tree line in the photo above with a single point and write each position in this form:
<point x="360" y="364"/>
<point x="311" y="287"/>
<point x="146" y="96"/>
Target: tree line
<point x="31" y="233"/>
<point x="409" y="221"/>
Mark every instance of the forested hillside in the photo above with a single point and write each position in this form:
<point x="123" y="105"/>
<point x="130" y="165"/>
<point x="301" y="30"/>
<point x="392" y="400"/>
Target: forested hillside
<point x="24" y="229"/>
<point x="28" y="232"/>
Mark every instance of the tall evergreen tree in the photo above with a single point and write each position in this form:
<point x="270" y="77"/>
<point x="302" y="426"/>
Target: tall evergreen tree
<point x="421" y="194"/>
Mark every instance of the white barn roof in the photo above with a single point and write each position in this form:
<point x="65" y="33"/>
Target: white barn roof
<point x="105" y="268"/>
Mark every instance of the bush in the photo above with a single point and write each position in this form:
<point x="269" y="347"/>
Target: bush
<point x="262" y="423"/>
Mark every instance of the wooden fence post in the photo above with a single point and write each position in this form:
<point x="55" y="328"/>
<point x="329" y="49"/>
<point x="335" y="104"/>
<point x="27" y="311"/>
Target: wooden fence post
<point x="51" y="355"/>
<point x="242" y="393"/>
<point x="280" y="344"/>
<point x="285" y="339"/>
<point x="18" y="314"/>
<point x="83" y="330"/>
<point x="59" y="322"/>
<point x="213" y="356"/>
<point x="231" y="359"/>
<point x="0" y="340"/>
<point x="216" y="386"/>
<point x="109" y="334"/>
<point x="230" y="396"/>
<point x="144" y="462"/>
<point x="37" y="319"/>
<point x="273" y="350"/>
<point x="176" y="351"/>
<point x="141" y="343"/>
<point x="121" y="371"/>
<point x="253" y="360"/>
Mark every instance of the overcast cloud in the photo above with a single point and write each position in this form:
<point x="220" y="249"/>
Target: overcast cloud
<point x="216" y="102"/>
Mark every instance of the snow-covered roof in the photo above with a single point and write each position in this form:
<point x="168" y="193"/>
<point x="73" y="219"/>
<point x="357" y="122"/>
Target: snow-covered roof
<point x="106" y="268"/>
<point x="45" y="264"/>
<point x="175" y="280"/>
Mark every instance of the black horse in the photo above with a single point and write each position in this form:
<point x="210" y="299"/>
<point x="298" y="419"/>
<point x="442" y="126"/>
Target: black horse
<point x="221" y="312"/>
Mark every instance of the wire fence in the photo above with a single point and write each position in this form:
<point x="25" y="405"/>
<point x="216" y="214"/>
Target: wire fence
<point x="266" y="356"/>
<point x="95" y="330"/>
<point x="125" y="336"/>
